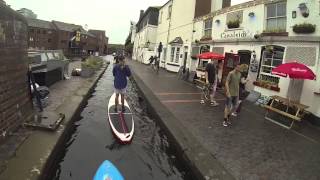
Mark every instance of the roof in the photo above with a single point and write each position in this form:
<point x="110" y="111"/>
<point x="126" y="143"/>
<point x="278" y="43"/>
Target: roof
<point x="165" y="4"/>
<point x="177" y="40"/>
<point x="40" y="23"/>
<point x="68" y="27"/>
<point x="147" y="11"/>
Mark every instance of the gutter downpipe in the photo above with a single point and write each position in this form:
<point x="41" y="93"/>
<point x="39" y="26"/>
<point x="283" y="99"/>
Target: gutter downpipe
<point x="165" y="61"/>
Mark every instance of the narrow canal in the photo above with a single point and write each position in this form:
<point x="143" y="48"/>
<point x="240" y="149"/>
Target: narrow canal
<point x="149" y="156"/>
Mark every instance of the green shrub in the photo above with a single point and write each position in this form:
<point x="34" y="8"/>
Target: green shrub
<point x="93" y="62"/>
<point x="304" y="28"/>
<point x="233" y="24"/>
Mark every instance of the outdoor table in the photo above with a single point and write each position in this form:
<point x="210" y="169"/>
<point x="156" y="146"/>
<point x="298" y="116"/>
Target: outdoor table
<point x="296" y="106"/>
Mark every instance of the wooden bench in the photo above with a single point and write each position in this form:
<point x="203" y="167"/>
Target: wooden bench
<point x="299" y="109"/>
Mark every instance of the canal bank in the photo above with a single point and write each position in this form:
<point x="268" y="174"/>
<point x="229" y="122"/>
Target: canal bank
<point x="39" y="149"/>
<point x="202" y="163"/>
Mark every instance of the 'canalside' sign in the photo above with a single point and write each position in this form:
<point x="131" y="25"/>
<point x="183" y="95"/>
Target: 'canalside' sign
<point x="235" y="34"/>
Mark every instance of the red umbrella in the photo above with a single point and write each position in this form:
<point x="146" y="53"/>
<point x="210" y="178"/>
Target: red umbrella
<point x="294" y="70"/>
<point x="211" y="55"/>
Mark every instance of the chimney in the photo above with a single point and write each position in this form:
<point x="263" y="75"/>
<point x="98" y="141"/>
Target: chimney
<point x="226" y="3"/>
<point x="141" y="13"/>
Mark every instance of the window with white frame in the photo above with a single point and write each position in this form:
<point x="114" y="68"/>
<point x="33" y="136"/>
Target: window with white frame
<point x="172" y="54"/>
<point x="207" y="28"/>
<point x="169" y="11"/>
<point x="271" y="57"/>
<point x="177" y="55"/>
<point x="276" y="18"/>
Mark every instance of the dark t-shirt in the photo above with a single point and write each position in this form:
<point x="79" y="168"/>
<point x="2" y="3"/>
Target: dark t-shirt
<point x="211" y="69"/>
<point x="120" y="76"/>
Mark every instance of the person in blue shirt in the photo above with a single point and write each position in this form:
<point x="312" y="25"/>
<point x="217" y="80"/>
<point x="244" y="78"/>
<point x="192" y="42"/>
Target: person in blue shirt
<point x="120" y="72"/>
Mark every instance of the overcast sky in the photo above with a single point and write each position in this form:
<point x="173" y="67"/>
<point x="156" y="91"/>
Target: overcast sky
<point x="113" y="16"/>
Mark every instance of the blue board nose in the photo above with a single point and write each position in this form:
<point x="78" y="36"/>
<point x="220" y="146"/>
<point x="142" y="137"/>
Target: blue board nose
<point x="107" y="171"/>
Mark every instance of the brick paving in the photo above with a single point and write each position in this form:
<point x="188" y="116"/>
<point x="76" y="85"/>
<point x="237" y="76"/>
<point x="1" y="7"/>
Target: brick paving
<point x="253" y="148"/>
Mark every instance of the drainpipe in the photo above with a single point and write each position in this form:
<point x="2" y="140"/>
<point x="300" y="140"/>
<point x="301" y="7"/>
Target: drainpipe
<point x="165" y="61"/>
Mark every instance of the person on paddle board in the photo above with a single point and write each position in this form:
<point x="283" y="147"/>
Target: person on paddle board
<point x="120" y="72"/>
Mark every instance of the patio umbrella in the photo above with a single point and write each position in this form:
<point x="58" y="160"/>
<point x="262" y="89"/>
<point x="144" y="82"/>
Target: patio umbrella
<point x="210" y="55"/>
<point x="294" y="71"/>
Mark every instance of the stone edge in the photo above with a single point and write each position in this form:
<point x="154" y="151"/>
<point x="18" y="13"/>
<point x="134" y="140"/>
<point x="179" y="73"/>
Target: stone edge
<point x="201" y="162"/>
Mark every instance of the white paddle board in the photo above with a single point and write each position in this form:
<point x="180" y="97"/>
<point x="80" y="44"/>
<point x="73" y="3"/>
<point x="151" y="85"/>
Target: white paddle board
<point x="122" y="124"/>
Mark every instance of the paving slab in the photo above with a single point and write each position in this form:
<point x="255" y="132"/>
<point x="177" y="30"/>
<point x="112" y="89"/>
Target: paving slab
<point x="252" y="148"/>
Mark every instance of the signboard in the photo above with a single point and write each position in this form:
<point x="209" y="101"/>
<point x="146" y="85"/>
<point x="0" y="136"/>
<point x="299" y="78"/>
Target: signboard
<point x="236" y="34"/>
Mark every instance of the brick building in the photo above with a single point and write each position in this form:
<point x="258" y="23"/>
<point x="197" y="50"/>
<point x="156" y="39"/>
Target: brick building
<point x="65" y="41"/>
<point x="101" y="40"/>
<point x="15" y="101"/>
<point x="42" y="34"/>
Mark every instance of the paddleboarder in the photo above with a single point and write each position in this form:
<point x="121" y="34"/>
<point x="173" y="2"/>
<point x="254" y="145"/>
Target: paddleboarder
<point x="120" y="72"/>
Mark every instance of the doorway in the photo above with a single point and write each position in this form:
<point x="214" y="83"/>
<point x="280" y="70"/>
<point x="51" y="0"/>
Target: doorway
<point x="230" y="62"/>
<point x="185" y="58"/>
<point x="245" y="57"/>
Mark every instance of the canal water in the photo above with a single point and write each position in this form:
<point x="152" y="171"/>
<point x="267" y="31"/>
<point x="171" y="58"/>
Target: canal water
<point x="149" y="156"/>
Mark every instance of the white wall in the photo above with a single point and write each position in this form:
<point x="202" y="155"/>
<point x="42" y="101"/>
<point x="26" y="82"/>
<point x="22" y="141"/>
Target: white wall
<point x="314" y="16"/>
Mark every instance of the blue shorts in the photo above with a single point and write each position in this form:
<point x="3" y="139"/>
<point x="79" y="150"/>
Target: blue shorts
<point x="232" y="102"/>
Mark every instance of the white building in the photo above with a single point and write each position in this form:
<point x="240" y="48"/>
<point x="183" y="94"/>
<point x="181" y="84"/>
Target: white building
<point x="133" y="30"/>
<point x="262" y="36"/>
<point x="145" y="38"/>
<point x="176" y="30"/>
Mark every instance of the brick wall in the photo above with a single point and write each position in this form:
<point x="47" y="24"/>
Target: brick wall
<point x="15" y="102"/>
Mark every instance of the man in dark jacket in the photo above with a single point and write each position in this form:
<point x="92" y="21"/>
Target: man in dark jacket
<point x="211" y="80"/>
<point x="120" y="72"/>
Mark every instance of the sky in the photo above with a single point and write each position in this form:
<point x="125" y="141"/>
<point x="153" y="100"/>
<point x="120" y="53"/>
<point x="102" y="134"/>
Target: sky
<point x="113" y="16"/>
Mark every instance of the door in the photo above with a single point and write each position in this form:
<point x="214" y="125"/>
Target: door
<point x="245" y="57"/>
<point x="230" y="62"/>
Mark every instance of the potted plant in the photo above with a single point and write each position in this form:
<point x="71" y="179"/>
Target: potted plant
<point x="304" y="28"/>
<point x="275" y="32"/>
<point x="90" y="65"/>
<point x="233" y="24"/>
<point x="86" y="70"/>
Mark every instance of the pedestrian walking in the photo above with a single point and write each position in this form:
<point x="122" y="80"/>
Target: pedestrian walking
<point x="120" y="72"/>
<point x="211" y="80"/>
<point x="243" y="93"/>
<point x="232" y="93"/>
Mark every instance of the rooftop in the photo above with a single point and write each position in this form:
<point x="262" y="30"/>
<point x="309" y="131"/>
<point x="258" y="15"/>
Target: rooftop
<point x="40" y="23"/>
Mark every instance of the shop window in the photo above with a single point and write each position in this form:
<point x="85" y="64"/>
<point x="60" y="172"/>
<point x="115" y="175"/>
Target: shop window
<point x="276" y="20"/>
<point x="272" y="57"/>
<point x="208" y="28"/>
<point x="172" y="54"/>
<point x="31" y="39"/>
<point x="177" y="55"/>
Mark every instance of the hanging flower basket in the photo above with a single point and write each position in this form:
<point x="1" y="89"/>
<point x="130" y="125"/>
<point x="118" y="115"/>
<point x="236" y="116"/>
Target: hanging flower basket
<point x="233" y="24"/>
<point x="304" y="28"/>
<point x="206" y="38"/>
